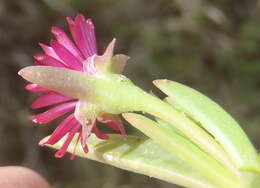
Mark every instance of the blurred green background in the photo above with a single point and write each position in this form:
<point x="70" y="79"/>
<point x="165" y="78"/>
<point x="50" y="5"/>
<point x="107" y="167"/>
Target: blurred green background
<point x="213" y="46"/>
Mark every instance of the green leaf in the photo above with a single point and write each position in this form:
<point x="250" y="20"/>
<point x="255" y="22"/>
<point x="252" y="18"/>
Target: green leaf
<point x="215" y="120"/>
<point x="186" y="150"/>
<point x="140" y="155"/>
<point x="154" y="106"/>
<point x="169" y="127"/>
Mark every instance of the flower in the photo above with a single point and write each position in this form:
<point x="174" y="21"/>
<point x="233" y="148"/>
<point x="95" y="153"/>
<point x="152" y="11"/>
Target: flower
<point x="79" y="55"/>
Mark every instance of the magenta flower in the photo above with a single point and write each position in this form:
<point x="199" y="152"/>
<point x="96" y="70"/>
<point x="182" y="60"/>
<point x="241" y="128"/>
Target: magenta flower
<point x="80" y="55"/>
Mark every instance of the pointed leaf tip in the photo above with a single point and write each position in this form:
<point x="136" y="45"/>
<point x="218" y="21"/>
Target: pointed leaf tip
<point x="110" y="48"/>
<point x="62" y="80"/>
<point x="215" y="120"/>
<point x="26" y="72"/>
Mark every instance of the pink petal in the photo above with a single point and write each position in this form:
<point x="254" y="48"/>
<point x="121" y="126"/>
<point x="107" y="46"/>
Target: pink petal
<point x="72" y="156"/>
<point x="86" y="28"/>
<point x="63" y="128"/>
<point x="65" y="145"/>
<point x="36" y="88"/>
<point x="83" y="34"/>
<point x="92" y="35"/>
<point x="49" y="99"/>
<point x="99" y="134"/>
<point x="66" y="56"/>
<point x="53" y="113"/>
<point x="50" y="51"/>
<point x="37" y="63"/>
<point x="64" y="40"/>
<point x="43" y="59"/>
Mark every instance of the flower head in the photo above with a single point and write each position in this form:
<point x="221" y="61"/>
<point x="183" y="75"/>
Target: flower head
<point x="79" y="54"/>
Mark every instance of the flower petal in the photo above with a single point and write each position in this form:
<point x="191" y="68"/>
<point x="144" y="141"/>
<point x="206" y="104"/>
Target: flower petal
<point x="44" y="59"/>
<point x="53" y="113"/>
<point x="66" y="56"/>
<point x="49" y="99"/>
<point x="64" y="40"/>
<point x="72" y="156"/>
<point x="36" y="88"/>
<point x="83" y="33"/>
<point x="50" y="51"/>
<point x="63" y="149"/>
<point x="91" y="35"/>
<point x="63" y="128"/>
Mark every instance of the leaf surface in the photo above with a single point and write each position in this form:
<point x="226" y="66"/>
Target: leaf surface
<point x="140" y="155"/>
<point x="215" y="120"/>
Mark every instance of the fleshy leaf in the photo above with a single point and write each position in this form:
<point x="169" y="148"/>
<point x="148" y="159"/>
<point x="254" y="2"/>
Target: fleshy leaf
<point x="65" y="81"/>
<point x="184" y="149"/>
<point x="193" y="131"/>
<point x="140" y="155"/>
<point x="215" y="120"/>
<point x="168" y="127"/>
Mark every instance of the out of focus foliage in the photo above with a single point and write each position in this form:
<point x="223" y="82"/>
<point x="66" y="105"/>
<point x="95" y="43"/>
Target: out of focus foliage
<point x="213" y="46"/>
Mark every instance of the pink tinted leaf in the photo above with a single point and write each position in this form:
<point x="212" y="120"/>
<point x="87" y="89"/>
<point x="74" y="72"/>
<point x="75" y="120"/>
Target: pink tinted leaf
<point x="110" y="49"/>
<point x="64" y="40"/>
<point x="49" y="99"/>
<point x="104" y="62"/>
<point x="53" y="113"/>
